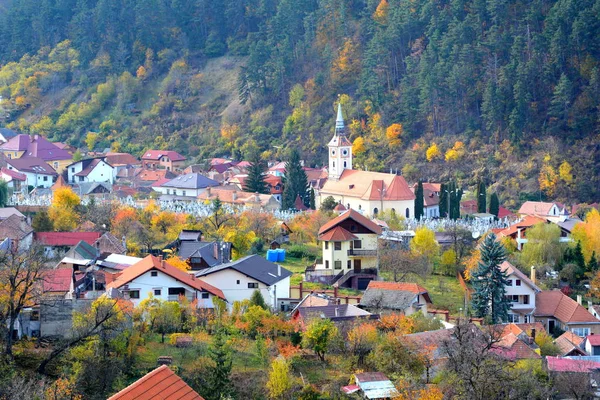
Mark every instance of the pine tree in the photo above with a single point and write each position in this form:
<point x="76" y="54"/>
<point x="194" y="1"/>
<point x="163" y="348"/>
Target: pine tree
<point x="296" y="182"/>
<point x="219" y="381"/>
<point x="42" y="222"/>
<point x="257" y="299"/>
<point x="592" y="265"/>
<point x="255" y="182"/>
<point x="312" y="204"/>
<point x="455" y="196"/>
<point x="3" y="193"/>
<point x="489" y="282"/>
<point x="419" y="201"/>
<point x="494" y="204"/>
<point x="579" y="260"/>
<point x="481" y="197"/>
<point x="443" y="200"/>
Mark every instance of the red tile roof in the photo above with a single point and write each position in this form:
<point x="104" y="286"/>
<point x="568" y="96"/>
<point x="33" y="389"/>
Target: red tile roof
<point x="401" y="286"/>
<point x="594" y="340"/>
<point x="150" y="263"/>
<point x="535" y="208"/>
<point x="37" y="146"/>
<point x="527" y="222"/>
<point x="157" y="154"/>
<point x="504" y="212"/>
<point x="573" y="338"/>
<point x="66" y="238"/>
<point x="160" y="384"/>
<point x="32" y="164"/>
<point x="121" y="159"/>
<point x="558" y="364"/>
<point x="553" y="303"/>
<point x="14" y="174"/>
<point x="365" y="185"/>
<point x="356" y="217"/>
<point x="337" y="234"/>
<point x="58" y="280"/>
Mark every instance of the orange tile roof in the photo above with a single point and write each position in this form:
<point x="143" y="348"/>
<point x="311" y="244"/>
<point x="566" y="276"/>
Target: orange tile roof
<point x="364" y="185"/>
<point x="150" y="263"/>
<point x="160" y="384"/>
<point x="401" y="286"/>
<point x="337" y="234"/>
<point x="573" y="338"/>
<point x="527" y="222"/>
<point x="553" y="303"/>
<point x="354" y="215"/>
<point x="535" y="208"/>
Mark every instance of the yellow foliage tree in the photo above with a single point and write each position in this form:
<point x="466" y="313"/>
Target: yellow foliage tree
<point x="90" y="140"/>
<point x="241" y="240"/>
<point x="63" y="210"/>
<point x="141" y="73"/>
<point x="230" y="132"/>
<point x="548" y="179"/>
<point x="178" y="262"/>
<point x="358" y="147"/>
<point x="381" y="12"/>
<point x="433" y="152"/>
<point x="393" y="134"/>
<point x="565" y="172"/>
<point x="424" y="243"/>
<point x="456" y="152"/>
<point x="346" y="66"/>
<point x="588" y="234"/>
<point x="280" y="380"/>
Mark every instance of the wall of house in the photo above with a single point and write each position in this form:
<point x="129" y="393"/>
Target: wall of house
<point x="432" y="211"/>
<point x="227" y="280"/>
<point x="369" y="242"/>
<point x="102" y="173"/>
<point x="367" y="207"/>
<point x="72" y="170"/>
<point x="147" y="284"/>
<point x="56" y="316"/>
<point x="179" y="192"/>
<point x="521" y="291"/>
<point x="38" y="180"/>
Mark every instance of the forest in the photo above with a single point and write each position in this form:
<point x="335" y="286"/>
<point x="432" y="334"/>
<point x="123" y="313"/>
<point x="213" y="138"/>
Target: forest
<point x="501" y="91"/>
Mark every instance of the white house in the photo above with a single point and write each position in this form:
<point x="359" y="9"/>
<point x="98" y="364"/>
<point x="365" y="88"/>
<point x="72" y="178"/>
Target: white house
<point x="240" y="278"/>
<point x="36" y="170"/>
<point x="153" y="276"/>
<point x="185" y="187"/>
<point x="522" y="293"/>
<point x="551" y="211"/>
<point x="91" y="170"/>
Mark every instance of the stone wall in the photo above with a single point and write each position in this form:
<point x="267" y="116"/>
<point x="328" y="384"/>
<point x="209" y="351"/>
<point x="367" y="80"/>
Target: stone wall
<point x="56" y="315"/>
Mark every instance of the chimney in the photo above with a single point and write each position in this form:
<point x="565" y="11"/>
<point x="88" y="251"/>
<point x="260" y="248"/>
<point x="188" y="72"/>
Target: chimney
<point x="234" y="195"/>
<point x="278" y="270"/>
<point x="533" y="277"/>
<point x="124" y="243"/>
<point x="533" y="333"/>
<point x="164" y="264"/>
<point x="208" y="192"/>
<point x="579" y="298"/>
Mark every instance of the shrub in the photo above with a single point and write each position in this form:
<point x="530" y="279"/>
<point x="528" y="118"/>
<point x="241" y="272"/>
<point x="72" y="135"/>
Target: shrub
<point x="301" y="251"/>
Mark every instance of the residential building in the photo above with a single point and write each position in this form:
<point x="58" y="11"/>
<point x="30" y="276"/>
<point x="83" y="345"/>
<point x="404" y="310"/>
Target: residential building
<point x="91" y="170"/>
<point x="185" y="187"/>
<point x="15" y="180"/>
<point x="6" y="212"/>
<point x="6" y="134"/>
<point x="558" y="312"/>
<point x="201" y="255"/>
<point x="60" y="242"/>
<point x="349" y="244"/>
<point x="592" y="345"/>
<point x="431" y="199"/>
<point x="25" y="146"/>
<point x="239" y="279"/>
<point x="367" y="192"/>
<point x="37" y="172"/>
<point x="161" y="383"/>
<point x="403" y="297"/>
<point x="277" y="169"/>
<point x="372" y="385"/>
<point x="58" y="283"/>
<point x="17" y="231"/>
<point x="247" y="200"/>
<point x="551" y="211"/>
<point x="517" y="230"/>
<point x="570" y="345"/>
<point x="337" y="313"/>
<point x="582" y="371"/>
<point x="163" y="159"/>
<point x="155" y="277"/>
<point x="108" y="243"/>
<point x="522" y="293"/>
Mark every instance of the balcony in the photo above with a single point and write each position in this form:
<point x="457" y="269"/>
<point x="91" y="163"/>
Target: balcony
<point x="175" y="297"/>
<point x="362" y="253"/>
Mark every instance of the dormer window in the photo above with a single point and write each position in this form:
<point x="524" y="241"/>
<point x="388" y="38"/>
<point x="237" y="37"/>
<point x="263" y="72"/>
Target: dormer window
<point x="333" y="152"/>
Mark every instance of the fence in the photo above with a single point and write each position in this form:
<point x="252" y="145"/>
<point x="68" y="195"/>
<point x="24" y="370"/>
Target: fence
<point x="298" y="292"/>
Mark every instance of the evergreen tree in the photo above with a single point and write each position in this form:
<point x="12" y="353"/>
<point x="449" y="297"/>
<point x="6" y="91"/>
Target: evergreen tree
<point x="481" y="197"/>
<point x="579" y="260"/>
<point x="42" y="223"/>
<point x="455" y="196"/>
<point x="494" y="204"/>
<point x="592" y="265"/>
<point x="419" y="200"/>
<point x="296" y="182"/>
<point x="255" y="182"/>
<point x="218" y="381"/>
<point x="489" y="282"/>
<point x="312" y="204"/>
<point x="443" y="200"/>
<point x="257" y="299"/>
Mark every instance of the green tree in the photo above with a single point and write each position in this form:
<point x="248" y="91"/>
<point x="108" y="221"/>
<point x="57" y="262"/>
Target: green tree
<point x="296" y="182"/>
<point x="318" y="336"/>
<point x="255" y="182"/>
<point x="489" y="281"/>
<point x="543" y="246"/>
<point x="219" y="383"/>
<point x="312" y="204"/>
<point x="3" y="193"/>
<point x="419" y="201"/>
<point x="257" y="299"/>
<point x="328" y="204"/>
<point x="280" y="379"/>
<point x="592" y="265"/>
<point x="481" y="197"/>
<point x="443" y="200"/>
<point x="41" y="222"/>
<point x="494" y="204"/>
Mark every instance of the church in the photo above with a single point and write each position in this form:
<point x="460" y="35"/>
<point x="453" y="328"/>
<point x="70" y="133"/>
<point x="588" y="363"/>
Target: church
<point x="367" y="192"/>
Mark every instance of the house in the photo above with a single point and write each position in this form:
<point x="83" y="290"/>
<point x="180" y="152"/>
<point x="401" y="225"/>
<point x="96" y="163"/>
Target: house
<point x="108" y="243"/>
<point x="155" y="277"/>
<point x="373" y="385"/>
<point x="17" y="231"/>
<point x="522" y="293"/>
<point x="432" y="345"/>
<point x="277" y="169"/>
<point x="25" y="146"/>
<point x="58" y="283"/>
<point x="275" y="184"/>
<point x="6" y="212"/>
<point x="15" y="180"/>
<point x="96" y="189"/>
<point x="162" y="383"/>
<point x="6" y="134"/>
<point x="55" y="242"/>
<point x="403" y="297"/>
<point x="579" y="373"/>
<point x="233" y="197"/>
<point x="240" y="278"/>
<point x="570" y="345"/>
<point x="37" y="172"/>
<point x="517" y="230"/>
<point x="592" y="345"/>
<point x="542" y="209"/>
<point x="202" y="255"/>
<point x="79" y="256"/>
<point x="431" y="199"/>
<point x="338" y="313"/>
<point x="91" y="170"/>
<point x="517" y="342"/>
<point x="365" y="191"/>
<point x="163" y="159"/>
<point x="559" y="312"/>
<point x="349" y="244"/>
<point x="185" y="187"/>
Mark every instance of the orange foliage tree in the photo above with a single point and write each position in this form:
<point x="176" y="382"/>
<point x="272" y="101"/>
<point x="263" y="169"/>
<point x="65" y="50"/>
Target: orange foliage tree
<point x="588" y="234"/>
<point x="393" y="134"/>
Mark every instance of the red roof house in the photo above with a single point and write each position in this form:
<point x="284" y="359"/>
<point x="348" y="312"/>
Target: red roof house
<point x="56" y="239"/>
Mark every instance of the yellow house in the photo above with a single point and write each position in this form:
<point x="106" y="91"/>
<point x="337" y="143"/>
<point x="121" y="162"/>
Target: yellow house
<point x="22" y="146"/>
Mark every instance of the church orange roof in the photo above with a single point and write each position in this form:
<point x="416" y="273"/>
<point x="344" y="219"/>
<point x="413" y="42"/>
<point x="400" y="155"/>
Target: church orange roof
<point x="369" y="185"/>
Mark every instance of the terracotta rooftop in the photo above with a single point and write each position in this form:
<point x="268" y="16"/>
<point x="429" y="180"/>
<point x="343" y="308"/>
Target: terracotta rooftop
<point x="160" y="384"/>
<point x="150" y="262"/>
<point x="14" y="228"/>
<point x="65" y="238"/>
<point x="121" y="159"/>
<point x="594" y="340"/>
<point x="13" y="174"/>
<point x="536" y="208"/>
<point x="401" y="286"/>
<point x="337" y="234"/>
<point x="58" y="280"/>
<point x="558" y="364"/>
<point x="157" y="154"/>
<point x="527" y="222"/>
<point x="356" y="217"/>
<point x="369" y="185"/>
<point x="553" y="303"/>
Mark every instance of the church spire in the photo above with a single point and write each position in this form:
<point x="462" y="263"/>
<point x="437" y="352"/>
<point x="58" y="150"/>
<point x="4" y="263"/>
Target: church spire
<point x="339" y="122"/>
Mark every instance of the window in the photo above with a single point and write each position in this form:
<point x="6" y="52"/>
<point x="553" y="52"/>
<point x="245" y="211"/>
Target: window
<point x="153" y="273"/>
<point x="72" y="169"/>
<point x="407" y="213"/>
<point x="345" y="165"/>
<point x="184" y="193"/>
<point x="205" y="295"/>
<point x="514" y="298"/>
<point x="252" y="285"/>
<point x="517" y="282"/>
<point x="349" y="265"/>
<point x="526" y="299"/>
<point x="326" y="264"/>
<point x="34" y="316"/>
<point x="353" y="228"/>
<point x="513" y="318"/>
<point x="337" y="245"/>
<point x="357" y="244"/>
<point x="134" y="294"/>
<point x="375" y="211"/>
<point x="581" y="332"/>
<point x="55" y="164"/>
<point x="326" y="245"/>
<point x="238" y="281"/>
<point x="337" y="264"/>
<point x="359" y="207"/>
<point x="157" y="292"/>
<point x="334" y="164"/>
<point x="509" y="282"/>
<point x="45" y="178"/>
<point x="81" y="179"/>
<point x="168" y="191"/>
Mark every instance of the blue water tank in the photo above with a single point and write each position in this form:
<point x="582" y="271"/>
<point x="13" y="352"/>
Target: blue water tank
<point x="272" y="255"/>
<point x="280" y="255"/>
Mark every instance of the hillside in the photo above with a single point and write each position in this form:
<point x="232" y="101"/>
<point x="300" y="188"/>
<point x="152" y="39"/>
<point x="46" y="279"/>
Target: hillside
<point x="503" y="90"/>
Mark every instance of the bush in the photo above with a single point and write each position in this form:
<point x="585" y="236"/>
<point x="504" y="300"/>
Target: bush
<point x="301" y="251"/>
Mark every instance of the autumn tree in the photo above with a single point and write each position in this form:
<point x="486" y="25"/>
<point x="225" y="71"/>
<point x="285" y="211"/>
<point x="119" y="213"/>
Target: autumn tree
<point x="361" y="340"/>
<point x="402" y="263"/>
<point x="588" y="233"/>
<point x="280" y="379"/>
<point x="393" y="134"/>
<point x="424" y="244"/>
<point x="63" y="211"/>
<point x="543" y="247"/>
<point x="318" y="336"/>
<point x="433" y="152"/>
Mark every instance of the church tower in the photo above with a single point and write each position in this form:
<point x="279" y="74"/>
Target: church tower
<point x="340" y="149"/>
